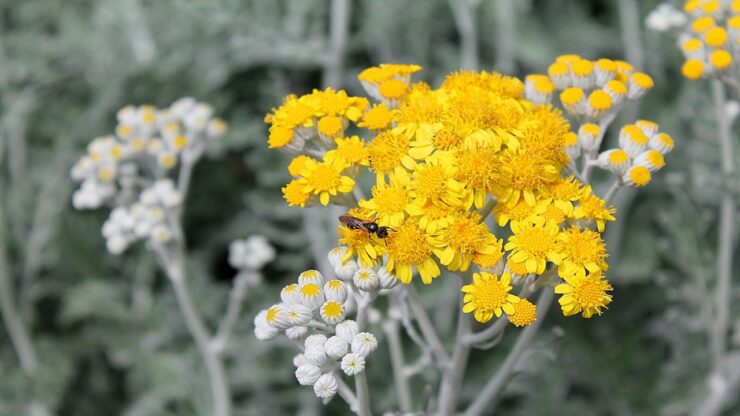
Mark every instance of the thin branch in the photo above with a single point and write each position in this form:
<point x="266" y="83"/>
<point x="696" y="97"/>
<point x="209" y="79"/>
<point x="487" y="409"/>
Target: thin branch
<point x="392" y="333"/>
<point x="236" y="299"/>
<point x="496" y="384"/>
<point x="427" y="329"/>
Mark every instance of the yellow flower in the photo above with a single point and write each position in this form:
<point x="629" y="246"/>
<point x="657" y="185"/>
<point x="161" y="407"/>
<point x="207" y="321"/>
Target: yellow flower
<point x="410" y="247"/>
<point x="379" y="117"/>
<point x="431" y="217"/>
<point x="298" y="164"/>
<point x="515" y="213"/>
<point x="582" y="250"/>
<point x="480" y="170"/>
<point x="534" y="243"/>
<point x="564" y="192"/>
<point x="351" y="151"/>
<point x="325" y="179"/>
<point x="593" y="208"/>
<point x="279" y="137"/>
<point x="524" y="174"/>
<point x="464" y="237"/>
<point x="295" y="194"/>
<point x="586" y="295"/>
<point x="434" y="181"/>
<point x="388" y="203"/>
<point x="339" y="104"/>
<point x="525" y="312"/>
<point x="420" y="113"/>
<point x="389" y="153"/>
<point x="488" y="295"/>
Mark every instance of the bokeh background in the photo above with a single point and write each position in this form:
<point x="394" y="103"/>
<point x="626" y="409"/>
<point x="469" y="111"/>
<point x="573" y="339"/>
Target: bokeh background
<point x="109" y="337"/>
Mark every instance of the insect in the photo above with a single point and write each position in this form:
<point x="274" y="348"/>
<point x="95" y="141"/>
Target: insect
<point x="354" y="223"/>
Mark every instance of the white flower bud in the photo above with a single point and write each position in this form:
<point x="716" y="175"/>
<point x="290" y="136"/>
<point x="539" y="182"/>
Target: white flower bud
<point x="277" y="316"/>
<point x="116" y="244"/>
<point x="317" y="340"/>
<point x="311" y="295"/>
<point x="364" y="343"/>
<point x="336" y="255"/>
<point x="315" y="355"/>
<point x="307" y="374"/>
<point x="335" y="347"/>
<point x="325" y="387"/>
<point x="296" y="332"/>
<point x="388" y="280"/>
<point x="366" y="279"/>
<point x="347" y="270"/>
<point x="335" y="290"/>
<point x="353" y="364"/>
<point x="262" y="330"/>
<point x="299" y="360"/>
<point x="310" y="276"/>
<point x="299" y="314"/>
<point x="332" y="312"/>
<point x="290" y="295"/>
<point x="347" y="330"/>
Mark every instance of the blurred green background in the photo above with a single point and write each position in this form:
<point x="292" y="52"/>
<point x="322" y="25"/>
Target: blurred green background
<point x="109" y="337"/>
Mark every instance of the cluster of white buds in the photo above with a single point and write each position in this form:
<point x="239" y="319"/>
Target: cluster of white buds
<point x="640" y="153"/>
<point x="146" y="136"/>
<point x="251" y="253"/>
<point x="145" y="219"/>
<point x="130" y="170"/>
<point x="364" y="278"/>
<point x="590" y="90"/>
<point x="313" y="311"/>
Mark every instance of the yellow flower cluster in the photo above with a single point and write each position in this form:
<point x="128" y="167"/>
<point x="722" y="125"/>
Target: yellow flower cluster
<point x="711" y="35"/>
<point x="446" y="158"/>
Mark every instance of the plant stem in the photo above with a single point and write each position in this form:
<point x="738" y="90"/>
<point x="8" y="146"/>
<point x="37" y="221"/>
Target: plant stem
<point x="464" y="12"/>
<point x="452" y="377"/>
<point x="612" y="192"/>
<point x="726" y="227"/>
<point x="175" y="269"/>
<point x="496" y="384"/>
<point x="236" y="298"/>
<point x="427" y="329"/>
<point x="16" y="329"/>
<point x="339" y="16"/>
<point x="392" y="333"/>
<point x="361" y="387"/>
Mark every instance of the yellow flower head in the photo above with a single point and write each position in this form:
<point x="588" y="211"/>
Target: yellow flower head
<point x="582" y="251"/>
<point x="434" y="181"/>
<point x="350" y="150"/>
<point x="379" y="117"/>
<point x="525" y="312"/>
<point x="325" y="179"/>
<point x="295" y="194"/>
<point x="593" y="208"/>
<point x="489" y="295"/>
<point x="463" y="238"/>
<point x="388" y="152"/>
<point x="359" y="243"/>
<point x="533" y="244"/>
<point x="389" y="202"/>
<point x="586" y="295"/>
<point x="409" y="247"/>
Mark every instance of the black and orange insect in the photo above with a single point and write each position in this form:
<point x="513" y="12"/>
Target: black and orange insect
<point x="372" y="227"/>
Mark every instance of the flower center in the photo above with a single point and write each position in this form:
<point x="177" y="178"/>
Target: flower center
<point x="465" y="235"/>
<point x="490" y="295"/>
<point x="408" y="244"/>
<point x="591" y="292"/>
<point x="386" y="151"/>
<point x="324" y="178"/>
<point x="431" y="182"/>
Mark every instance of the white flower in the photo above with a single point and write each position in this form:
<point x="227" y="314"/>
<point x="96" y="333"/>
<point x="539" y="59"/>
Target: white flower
<point x="335" y="347"/>
<point x="289" y="295"/>
<point x="347" y="330"/>
<point x="299" y="360"/>
<point x="335" y="290"/>
<point x="262" y="330"/>
<point x="353" y="364"/>
<point x="315" y="354"/>
<point x="252" y="253"/>
<point x="347" y="270"/>
<point x="366" y="279"/>
<point x="277" y="316"/>
<point x="299" y="314"/>
<point x="116" y="244"/>
<point x="317" y="340"/>
<point x="665" y="17"/>
<point x="311" y="295"/>
<point x="364" y="343"/>
<point x="296" y="332"/>
<point x="388" y="280"/>
<point x="325" y="387"/>
<point x="332" y="312"/>
<point x="311" y="276"/>
<point x="182" y="107"/>
<point x="336" y="255"/>
<point x="307" y="374"/>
